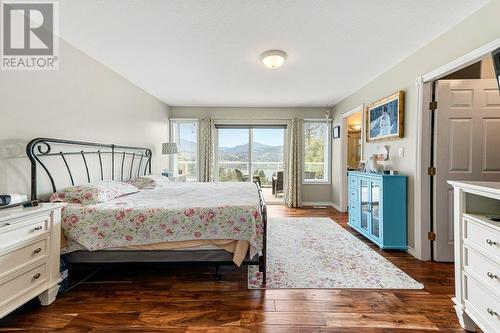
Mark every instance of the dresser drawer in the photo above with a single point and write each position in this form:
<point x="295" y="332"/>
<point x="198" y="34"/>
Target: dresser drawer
<point x="485" y="303"/>
<point x="486" y="270"/>
<point x="23" y="255"/>
<point x="354" y="219"/>
<point x="353" y="181"/>
<point x="353" y="194"/>
<point x="15" y="287"/>
<point x="354" y="207"/>
<point x="482" y="236"/>
<point x="23" y="230"/>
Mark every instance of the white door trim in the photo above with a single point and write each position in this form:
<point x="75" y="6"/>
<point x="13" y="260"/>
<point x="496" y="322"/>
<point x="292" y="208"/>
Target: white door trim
<point x="422" y="183"/>
<point x="343" y="151"/>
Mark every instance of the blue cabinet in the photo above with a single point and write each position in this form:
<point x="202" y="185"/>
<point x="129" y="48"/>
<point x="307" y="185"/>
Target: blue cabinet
<point x="377" y="208"/>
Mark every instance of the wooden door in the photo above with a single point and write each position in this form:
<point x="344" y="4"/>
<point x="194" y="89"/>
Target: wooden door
<point x="466" y="147"/>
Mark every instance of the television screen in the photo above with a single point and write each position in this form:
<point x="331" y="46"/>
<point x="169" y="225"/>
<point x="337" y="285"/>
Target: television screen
<point x="496" y="63"/>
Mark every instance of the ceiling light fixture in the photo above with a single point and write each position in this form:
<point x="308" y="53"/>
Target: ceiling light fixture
<point x="273" y="58"/>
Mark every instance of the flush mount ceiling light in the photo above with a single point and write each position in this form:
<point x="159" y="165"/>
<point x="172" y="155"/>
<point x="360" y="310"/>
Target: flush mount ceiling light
<point x="273" y="58"/>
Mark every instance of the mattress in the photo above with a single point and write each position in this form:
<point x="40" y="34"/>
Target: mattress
<point x="177" y="212"/>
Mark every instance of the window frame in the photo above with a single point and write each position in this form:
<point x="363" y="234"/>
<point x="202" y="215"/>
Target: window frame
<point x="173" y="161"/>
<point x="327" y="153"/>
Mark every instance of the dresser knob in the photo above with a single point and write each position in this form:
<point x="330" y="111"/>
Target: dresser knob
<point x="37" y="250"/>
<point x="38" y="228"/>
<point x="490" y="242"/>
<point x="491" y="312"/>
<point x="36" y="276"/>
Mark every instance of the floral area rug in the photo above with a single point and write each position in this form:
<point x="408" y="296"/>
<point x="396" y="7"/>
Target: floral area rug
<point x="318" y="253"/>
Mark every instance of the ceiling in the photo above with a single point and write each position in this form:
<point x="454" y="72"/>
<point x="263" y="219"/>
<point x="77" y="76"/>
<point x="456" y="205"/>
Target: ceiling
<point x="206" y="53"/>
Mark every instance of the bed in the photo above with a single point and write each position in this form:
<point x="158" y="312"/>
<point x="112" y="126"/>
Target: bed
<point x="219" y="223"/>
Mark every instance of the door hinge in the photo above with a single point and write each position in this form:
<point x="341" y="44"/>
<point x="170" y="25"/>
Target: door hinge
<point x="433" y="105"/>
<point x="431" y="171"/>
<point x="431" y="236"/>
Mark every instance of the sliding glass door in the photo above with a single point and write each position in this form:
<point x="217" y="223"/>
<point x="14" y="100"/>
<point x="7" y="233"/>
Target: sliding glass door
<point x="233" y="154"/>
<point x="255" y="154"/>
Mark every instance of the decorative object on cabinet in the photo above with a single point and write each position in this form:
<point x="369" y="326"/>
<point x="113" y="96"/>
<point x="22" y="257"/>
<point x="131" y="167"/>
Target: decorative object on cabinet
<point x="382" y="153"/>
<point x="336" y="132"/>
<point x="29" y="255"/>
<point x="375" y="167"/>
<point x="385" y="118"/>
<point x="377" y="208"/>
<point x="477" y="255"/>
<point x="362" y="166"/>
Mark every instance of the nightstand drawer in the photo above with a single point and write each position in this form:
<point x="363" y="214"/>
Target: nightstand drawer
<point x="22" y="256"/>
<point x="23" y="283"/>
<point x="485" y="303"/>
<point x="16" y="232"/>
<point x="482" y="237"/>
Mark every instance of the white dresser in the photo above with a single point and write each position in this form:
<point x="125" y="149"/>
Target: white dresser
<point x="29" y="255"/>
<point x="477" y="255"/>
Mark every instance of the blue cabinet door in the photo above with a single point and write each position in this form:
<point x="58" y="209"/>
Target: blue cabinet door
<point x="364" y="201"/>
<point x="375" y="223"/>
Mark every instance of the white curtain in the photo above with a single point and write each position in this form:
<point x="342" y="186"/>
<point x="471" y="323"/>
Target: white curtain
<point x="294" y="192"/>
<point x="207" y="150"/>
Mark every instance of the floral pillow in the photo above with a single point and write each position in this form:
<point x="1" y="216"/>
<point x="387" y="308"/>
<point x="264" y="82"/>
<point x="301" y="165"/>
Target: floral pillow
<point x="90" y="194"/>
<point x="149" y="181"/>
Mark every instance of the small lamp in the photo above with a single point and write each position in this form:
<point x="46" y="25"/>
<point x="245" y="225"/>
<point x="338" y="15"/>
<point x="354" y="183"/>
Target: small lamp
<point x="169" y="148"/>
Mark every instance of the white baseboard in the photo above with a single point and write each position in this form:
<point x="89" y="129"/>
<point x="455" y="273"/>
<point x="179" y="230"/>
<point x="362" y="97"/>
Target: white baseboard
<point x="411" y="251"/>
<point x="337" y="207"/>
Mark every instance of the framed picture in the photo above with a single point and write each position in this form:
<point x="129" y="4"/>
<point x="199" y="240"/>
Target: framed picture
<point x="385" y="118"/>
<point x="336" y="132"/>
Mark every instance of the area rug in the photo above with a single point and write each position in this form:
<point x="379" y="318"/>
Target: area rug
<point x="318" y="253"/>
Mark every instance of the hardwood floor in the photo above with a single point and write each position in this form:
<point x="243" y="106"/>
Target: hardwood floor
<point x="183" y="298"/>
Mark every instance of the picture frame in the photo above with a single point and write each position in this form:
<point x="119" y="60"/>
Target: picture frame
<point x="385" y="118"/>
<point x="336" y="132"/>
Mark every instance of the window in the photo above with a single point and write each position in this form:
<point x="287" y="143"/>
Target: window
<point x="316" y="152"/>
<point x="184" y="132"/>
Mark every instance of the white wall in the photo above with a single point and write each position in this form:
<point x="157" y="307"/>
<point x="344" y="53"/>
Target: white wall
<point x="310" y="192"/>
<point x="480" y="28"/>
<point x="83" y="100"/>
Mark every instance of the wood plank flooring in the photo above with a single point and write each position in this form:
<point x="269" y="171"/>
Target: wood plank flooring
<point x="183" y="298"/>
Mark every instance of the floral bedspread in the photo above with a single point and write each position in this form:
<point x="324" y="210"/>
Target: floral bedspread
<point x="177" y="212"/>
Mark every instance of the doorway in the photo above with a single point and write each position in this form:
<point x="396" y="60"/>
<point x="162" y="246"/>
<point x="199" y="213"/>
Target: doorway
<point x="466" y="143"/>
<point x="351" y="142"/>
<point x="253" y="154"/>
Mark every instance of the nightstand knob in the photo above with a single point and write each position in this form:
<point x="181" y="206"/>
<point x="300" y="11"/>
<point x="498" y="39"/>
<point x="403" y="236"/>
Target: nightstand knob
<point x="36" y="276"/>
<point x="491" y="312"/>
<point x="490" y="242"/>
<point x="38" y="228"/>
<point x="37" y="250"/>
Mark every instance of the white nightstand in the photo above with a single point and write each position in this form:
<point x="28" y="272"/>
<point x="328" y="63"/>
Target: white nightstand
<point x="29" y="255"/>
<point x="177" y="178"/>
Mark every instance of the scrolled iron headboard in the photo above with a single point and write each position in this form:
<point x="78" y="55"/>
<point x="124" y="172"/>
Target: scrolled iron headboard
<point x="40" y="148"/>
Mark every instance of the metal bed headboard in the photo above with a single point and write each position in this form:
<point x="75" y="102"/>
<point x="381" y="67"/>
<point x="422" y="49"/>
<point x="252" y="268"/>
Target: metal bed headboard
<point x="40" y="148"/>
